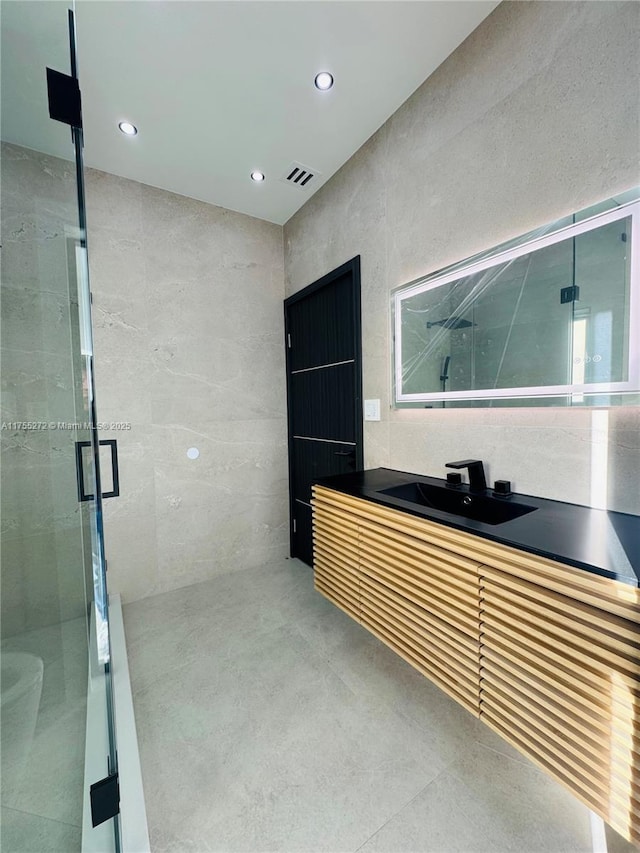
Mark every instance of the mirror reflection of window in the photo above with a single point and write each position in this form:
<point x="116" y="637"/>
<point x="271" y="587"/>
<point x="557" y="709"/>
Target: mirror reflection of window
<point x="578" y="353"/>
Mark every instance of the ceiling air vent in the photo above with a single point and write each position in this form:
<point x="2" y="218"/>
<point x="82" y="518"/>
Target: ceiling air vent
<point x="300" y="176"/>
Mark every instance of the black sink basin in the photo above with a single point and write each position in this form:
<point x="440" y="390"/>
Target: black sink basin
<point x="479" y="507"/>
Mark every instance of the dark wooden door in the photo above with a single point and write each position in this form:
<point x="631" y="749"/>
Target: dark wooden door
<point x="324" y="390"/>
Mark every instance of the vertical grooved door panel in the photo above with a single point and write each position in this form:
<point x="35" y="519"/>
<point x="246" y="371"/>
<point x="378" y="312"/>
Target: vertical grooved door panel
<point x="331" y="309"/>
<point x="302" y="532"/>
<point x="322" y="403"/>
<point x="324" y="389"/>
<point x="314" y="459"/>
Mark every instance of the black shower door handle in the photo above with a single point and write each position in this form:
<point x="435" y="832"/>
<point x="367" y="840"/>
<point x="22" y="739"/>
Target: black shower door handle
<point x="111" y="442"/>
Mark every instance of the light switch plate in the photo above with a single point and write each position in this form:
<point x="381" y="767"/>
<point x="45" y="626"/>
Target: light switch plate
<point x="372" y="410"/>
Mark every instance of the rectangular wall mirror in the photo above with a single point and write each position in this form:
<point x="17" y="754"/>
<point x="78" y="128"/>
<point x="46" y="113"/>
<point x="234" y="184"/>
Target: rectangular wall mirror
<point x="550" y="318"/>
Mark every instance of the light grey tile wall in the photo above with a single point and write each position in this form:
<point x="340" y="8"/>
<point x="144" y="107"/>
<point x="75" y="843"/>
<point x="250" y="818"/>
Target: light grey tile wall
<point x="42" y="572"/>
<point x="536" y="115"/>
<point x="187" y="307"/>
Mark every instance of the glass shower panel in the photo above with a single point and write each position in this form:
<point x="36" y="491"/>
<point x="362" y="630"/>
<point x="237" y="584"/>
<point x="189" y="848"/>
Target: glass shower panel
<point x="51" y="544"/>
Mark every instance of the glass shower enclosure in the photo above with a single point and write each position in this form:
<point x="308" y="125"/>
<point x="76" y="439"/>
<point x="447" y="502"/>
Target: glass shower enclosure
<point x="55" y="646"/>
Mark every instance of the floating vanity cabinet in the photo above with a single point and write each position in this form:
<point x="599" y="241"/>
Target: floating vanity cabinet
<point x="336" y="556"/>
<point x="560" y="680"/>
<point x="418" y="598"/>
<point x="546" y="654"/>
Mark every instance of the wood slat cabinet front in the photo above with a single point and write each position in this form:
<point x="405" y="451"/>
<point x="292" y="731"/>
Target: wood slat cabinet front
<point x="418" y="598"/>
<point x="422" y="601"/>
<point x="336" y="556"/>
<point x="560" y="680"/>
<point x="545" y="654"/>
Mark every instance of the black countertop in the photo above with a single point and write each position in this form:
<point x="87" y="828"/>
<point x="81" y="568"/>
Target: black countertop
<point x="599" y="541"/>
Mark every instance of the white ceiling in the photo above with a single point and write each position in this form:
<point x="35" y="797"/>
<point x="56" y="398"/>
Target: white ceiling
<point x="220" y="88"/>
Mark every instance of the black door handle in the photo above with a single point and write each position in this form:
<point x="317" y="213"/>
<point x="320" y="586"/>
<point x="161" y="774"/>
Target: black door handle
<point x="111" y="442"/>
<point x="344" y="453"/>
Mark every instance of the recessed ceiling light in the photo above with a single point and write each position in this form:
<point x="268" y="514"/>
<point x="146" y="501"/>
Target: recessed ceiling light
<point x="127" y="128"/>
<point x="323" y="81"/>
<point x="257" y="176"/>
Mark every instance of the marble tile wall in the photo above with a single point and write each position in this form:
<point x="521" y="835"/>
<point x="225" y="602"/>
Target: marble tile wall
<point x="188" y="337"/>
<point x="42" y="543"/>
<point x="515" y="129"/>
<point x="188" y="334"/>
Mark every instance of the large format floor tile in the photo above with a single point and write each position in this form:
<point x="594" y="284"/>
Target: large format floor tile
<point x="487" y="801"/>
<point x="269" y="721"/>
<point x="30" y="833"/>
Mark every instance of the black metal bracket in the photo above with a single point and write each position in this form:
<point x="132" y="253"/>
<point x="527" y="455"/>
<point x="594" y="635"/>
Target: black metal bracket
<point x="65" y="103"/>
<point x="569" y="294"/>
<point x="105" y="799"/>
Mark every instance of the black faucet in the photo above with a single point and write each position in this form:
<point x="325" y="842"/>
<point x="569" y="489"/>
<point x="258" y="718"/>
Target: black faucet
<point x="477" y="481"/>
